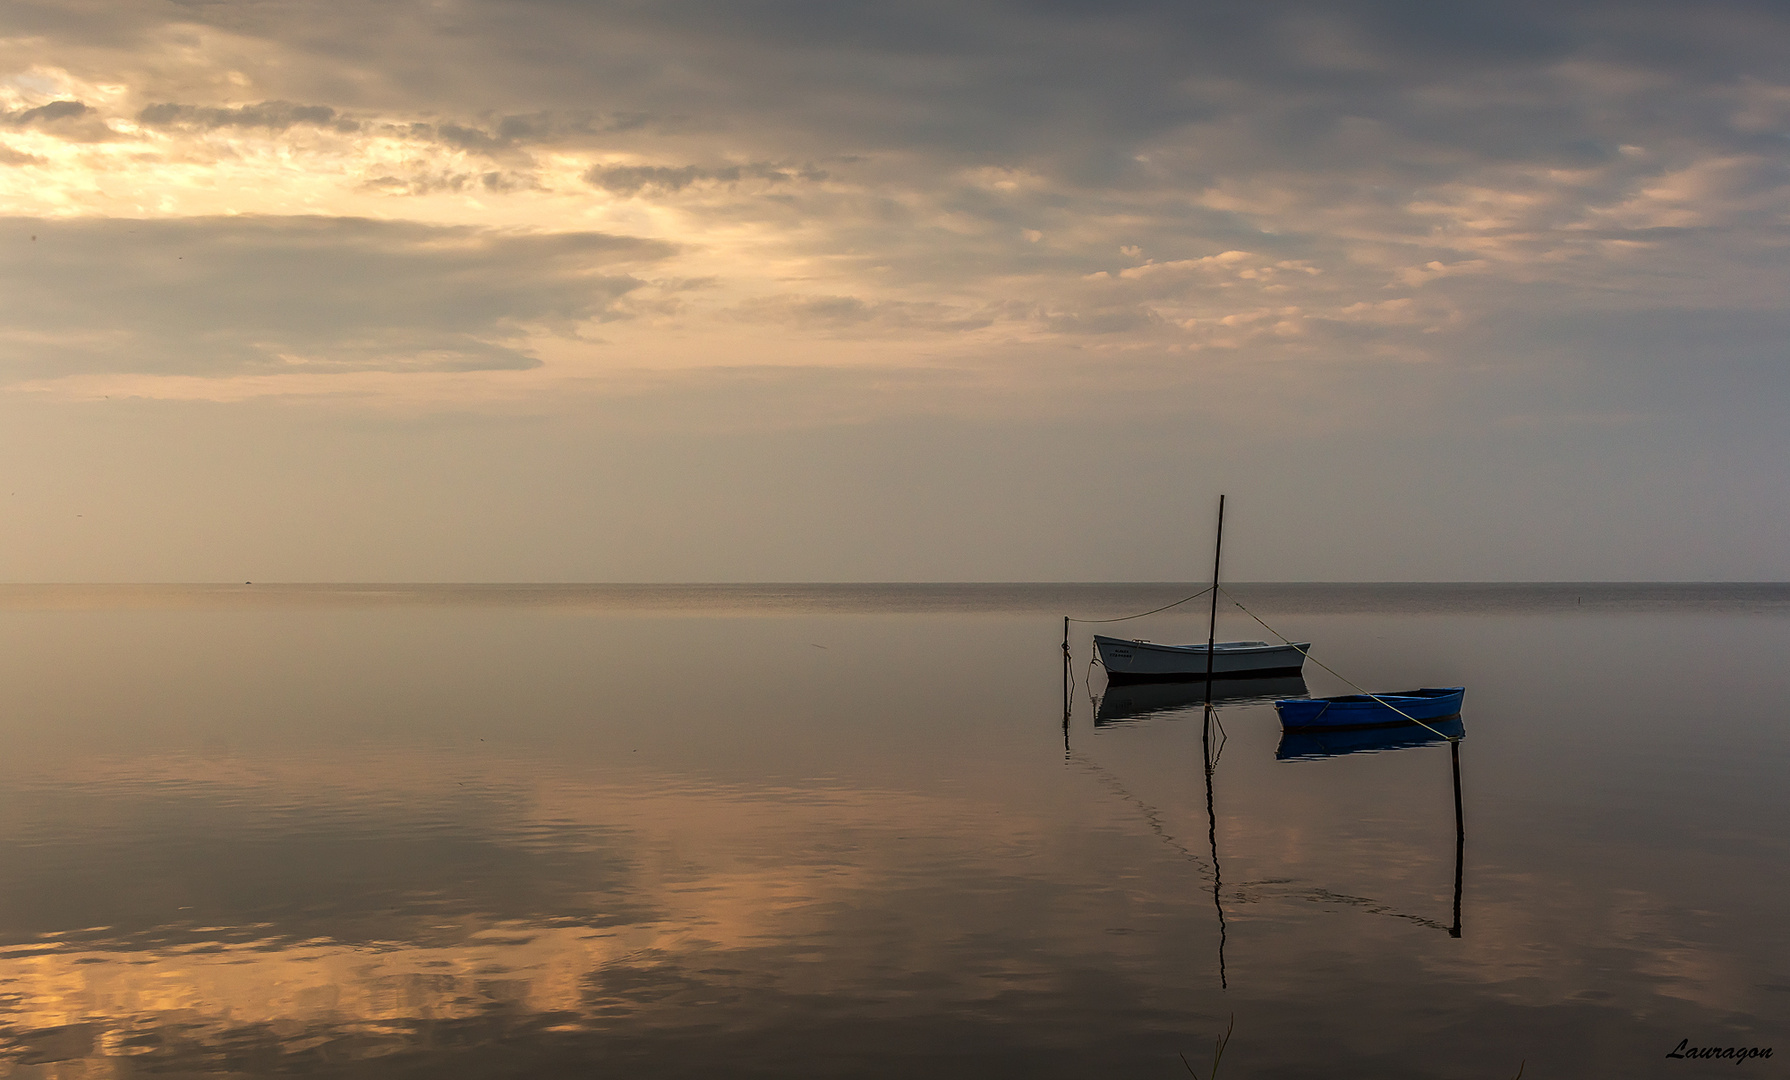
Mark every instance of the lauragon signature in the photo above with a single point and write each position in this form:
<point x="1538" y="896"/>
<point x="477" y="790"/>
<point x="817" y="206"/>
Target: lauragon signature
<point x="1737" y="1054"/>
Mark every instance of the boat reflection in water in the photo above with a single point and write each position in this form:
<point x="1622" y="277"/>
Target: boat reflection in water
<point x="1128" y="702"/>
<point x="1308" y="743"/>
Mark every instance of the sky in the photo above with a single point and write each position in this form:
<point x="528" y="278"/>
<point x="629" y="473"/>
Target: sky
<point x="543" y="290"/>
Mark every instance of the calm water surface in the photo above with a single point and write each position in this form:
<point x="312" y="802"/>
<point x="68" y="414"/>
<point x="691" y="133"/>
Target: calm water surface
<point x="707" y="831"/>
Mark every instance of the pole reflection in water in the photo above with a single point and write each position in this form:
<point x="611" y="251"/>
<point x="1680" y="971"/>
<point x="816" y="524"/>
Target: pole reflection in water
<point x="1319" y="745"/>
<point x="1460" y="835"/>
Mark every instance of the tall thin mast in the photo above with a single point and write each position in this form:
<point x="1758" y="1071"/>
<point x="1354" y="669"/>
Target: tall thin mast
<point x="1212" y="626"/>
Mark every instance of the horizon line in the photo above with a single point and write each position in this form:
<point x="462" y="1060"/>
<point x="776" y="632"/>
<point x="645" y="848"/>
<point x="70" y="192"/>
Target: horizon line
<point x="866" y="583"/>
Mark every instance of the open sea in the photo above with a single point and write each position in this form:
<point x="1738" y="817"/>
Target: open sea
<point x="848" y="831"/>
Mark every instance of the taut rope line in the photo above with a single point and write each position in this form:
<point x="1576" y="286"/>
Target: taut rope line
<point x="1152" y="611"/>
<point x="1307" y="654"/>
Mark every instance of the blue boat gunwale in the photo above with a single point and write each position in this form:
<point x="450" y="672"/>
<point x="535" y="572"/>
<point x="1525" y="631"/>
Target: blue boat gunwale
<point x="1366" y="705"/>
<point x="1427" y="693"/>
<point x="1401" y="722"/>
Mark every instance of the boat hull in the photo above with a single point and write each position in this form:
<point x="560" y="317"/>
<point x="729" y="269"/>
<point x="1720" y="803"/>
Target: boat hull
<point x="1370" y="710"/>
<point x="1147" y="661"/>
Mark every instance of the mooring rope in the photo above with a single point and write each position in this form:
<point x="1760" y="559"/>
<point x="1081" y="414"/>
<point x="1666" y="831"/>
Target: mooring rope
<point x="1141" y="614"/>
<point x="1307" y="654"/>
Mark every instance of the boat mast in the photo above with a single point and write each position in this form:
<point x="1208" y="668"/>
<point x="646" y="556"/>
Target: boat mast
<point x="1212" y="625"/>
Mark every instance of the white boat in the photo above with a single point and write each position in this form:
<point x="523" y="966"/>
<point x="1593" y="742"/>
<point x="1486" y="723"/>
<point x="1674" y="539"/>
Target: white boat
<point x="1137" y="660"/>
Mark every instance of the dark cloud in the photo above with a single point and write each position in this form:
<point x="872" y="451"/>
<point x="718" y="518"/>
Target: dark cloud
<point x="268" y="115"/>
<point x="939" y="68"/>
<point x="632" y="179"/>
<point x="9" y="156"/>
<point x="511" y="132"/>
<point x="1044" y="80"/>
<point x="497" y="136"/>
<point x="475" y="139"/>
<point x="55" y="110"/>
<point x="1075" y="89"/>
<point x="243" y="295"/>
<point x="67" y="119"/>
<point x="425" y="181"/>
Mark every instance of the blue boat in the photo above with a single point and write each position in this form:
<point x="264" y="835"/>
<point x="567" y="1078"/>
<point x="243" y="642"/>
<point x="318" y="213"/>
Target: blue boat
<point x="1371" y="710"/>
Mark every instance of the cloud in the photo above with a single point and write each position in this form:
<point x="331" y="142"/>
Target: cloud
<point x="851" y="314"/>
<point x="542" y="128"/>
<point x="1717" y="191"/>
<point x="422" y="178"/>
<point x="269" y="115"/>
<point x="66" y="119"/>
<point x="9" y="156"/>
<point x="250" y="295"/>
<point x="45" y="114"/>
<point x="485" y="137"/>
<point x="633" y="179"/>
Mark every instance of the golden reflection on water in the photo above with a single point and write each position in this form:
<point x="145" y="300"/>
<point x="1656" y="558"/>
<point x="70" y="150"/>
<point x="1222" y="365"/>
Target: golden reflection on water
<point x="208" y="989"/>
<point x="762" y="882"/>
